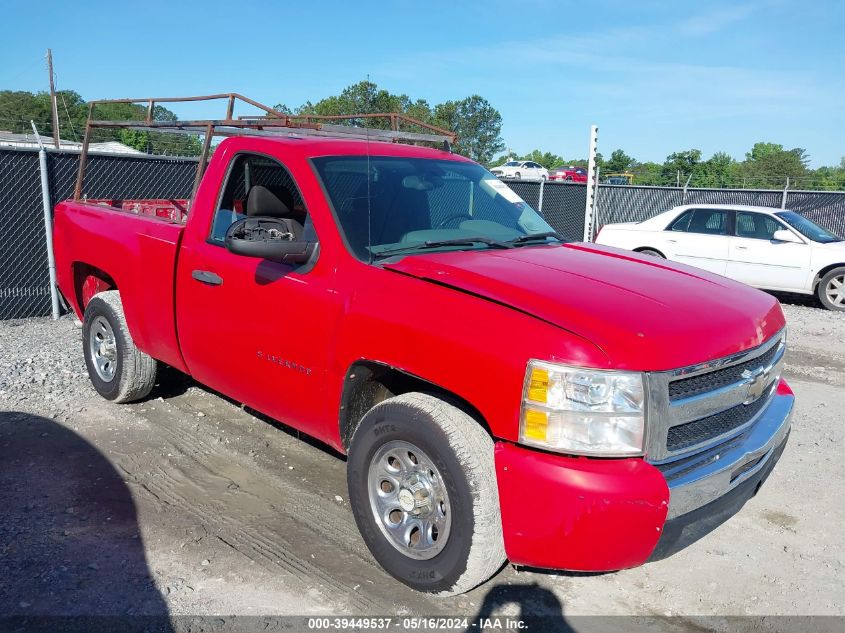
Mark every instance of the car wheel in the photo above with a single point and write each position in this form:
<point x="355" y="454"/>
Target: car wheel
<point x="517" y="175"/>
<point x="831" y="289"/>
<point x="422" y="486"/>
<point x="651" y="253"/>
<point x="542" y="176"/>
<point x="118" y="370"/>
<point x="568" y="178"/>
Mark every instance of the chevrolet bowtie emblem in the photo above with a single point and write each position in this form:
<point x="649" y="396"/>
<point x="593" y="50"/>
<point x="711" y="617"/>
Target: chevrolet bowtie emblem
<point x="758" y="380"/>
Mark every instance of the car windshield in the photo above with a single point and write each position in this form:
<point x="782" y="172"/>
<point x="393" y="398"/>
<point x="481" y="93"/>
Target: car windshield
<point x="512" y="163"/>
<point x="808" y="228"/>
<point x="386" y="205"/>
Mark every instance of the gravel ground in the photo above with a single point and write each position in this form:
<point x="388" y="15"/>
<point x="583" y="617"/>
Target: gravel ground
<point x="188" y="504"/>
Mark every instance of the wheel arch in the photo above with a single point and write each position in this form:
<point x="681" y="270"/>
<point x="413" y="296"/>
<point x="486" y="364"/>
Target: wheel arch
<point x="821" y="273"/>
<point x="88" y="281"/>
<point x="369" y="382"/>
<point x="640" y="249"/>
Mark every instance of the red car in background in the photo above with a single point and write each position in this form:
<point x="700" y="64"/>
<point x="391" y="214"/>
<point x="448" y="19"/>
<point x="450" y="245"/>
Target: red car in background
<point x="571" y="174"/>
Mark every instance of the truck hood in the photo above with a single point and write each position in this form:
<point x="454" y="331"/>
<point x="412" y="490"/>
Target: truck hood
<point x="645" y="313"/>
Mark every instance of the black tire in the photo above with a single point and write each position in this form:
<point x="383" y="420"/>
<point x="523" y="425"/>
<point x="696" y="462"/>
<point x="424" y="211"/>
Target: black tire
<point x="134" y="372"/>
<point x="651" y="253"/>
<point x="462" y="453"/>
<point x="837" y="275"/>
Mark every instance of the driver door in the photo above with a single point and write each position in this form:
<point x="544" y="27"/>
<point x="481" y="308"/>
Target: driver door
<point x="253" y="329"/>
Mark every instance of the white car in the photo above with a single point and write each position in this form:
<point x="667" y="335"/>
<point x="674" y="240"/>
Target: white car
<point x="521" y="169"/>
<point x="768" y="248"/>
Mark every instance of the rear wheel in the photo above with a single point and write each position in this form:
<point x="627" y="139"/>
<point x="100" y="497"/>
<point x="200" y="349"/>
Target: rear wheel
<point x="651" y="253"/>
<point x="118" y="370"/>
<point x="831" y="289"/>
<point x="422" y="486"/>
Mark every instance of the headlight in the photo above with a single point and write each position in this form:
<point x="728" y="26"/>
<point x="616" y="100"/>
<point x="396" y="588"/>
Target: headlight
<point x="583" y="411"/>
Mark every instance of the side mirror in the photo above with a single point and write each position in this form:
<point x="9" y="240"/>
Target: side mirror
<point x="782" y="235"/>
<point x="267" y="238"/>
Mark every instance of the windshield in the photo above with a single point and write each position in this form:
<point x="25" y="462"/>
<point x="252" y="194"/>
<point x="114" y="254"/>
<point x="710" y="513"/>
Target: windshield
<point x="808" y="228"/>
<point x="512" y="163"/>
<point x="410" y="204"/>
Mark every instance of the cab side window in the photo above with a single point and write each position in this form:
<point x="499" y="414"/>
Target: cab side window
<point x="258" y="185"/>
<point x="708" y="222"/>
<point x="756" y="226"/>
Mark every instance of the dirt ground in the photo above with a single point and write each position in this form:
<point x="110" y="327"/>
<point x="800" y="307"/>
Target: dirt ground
<point x="188" y="504"/>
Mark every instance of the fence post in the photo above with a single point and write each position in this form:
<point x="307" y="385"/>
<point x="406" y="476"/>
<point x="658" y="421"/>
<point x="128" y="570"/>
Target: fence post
<point x="783" y="198"/>
<point x="48" y="223"/>
<point x="596" y="205"/>
<point x="540" y="201"/>
<point x="686" y="186"/>
<point x="591" y="179"/>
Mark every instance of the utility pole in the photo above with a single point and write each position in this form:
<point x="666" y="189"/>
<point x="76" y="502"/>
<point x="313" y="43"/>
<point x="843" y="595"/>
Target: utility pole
<point x="53" y="105"/>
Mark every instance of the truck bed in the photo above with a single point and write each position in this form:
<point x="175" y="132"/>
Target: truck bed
<point x="137" y="242"/>
<point x="175" y="210"/>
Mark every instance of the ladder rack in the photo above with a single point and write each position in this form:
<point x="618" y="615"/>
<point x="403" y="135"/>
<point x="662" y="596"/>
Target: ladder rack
<point x="271" y="123"/>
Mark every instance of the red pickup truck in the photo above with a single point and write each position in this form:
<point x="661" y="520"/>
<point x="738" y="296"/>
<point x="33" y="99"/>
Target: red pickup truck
<point x="500" y="393"/>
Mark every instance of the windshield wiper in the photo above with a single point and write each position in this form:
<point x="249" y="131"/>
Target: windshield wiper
<point x="525" y="239"/>
<point x="460" y="241"/>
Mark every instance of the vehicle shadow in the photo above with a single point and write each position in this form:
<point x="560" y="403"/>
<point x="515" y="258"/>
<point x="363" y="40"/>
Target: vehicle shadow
<point x="538" y="610"/>
<point x="70" y="547"/>
<point x="791" y="298"/>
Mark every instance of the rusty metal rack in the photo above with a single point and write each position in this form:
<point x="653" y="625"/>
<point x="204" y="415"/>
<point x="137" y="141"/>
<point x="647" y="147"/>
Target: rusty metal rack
<point x="271" y="123"/>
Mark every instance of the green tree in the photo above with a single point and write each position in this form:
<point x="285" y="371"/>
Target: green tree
<point x="619" y="161"/>
<point x="17" y="108"/>
<point x="717" y="171"/>
<point x="769" y="164"/>
<point x="649" y="174"/>
<point x="684" y="162"/>
<point x="477" y="124"/>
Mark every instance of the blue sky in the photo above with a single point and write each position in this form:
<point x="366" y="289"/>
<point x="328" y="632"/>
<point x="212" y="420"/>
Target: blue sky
<point x="656" y="77"/>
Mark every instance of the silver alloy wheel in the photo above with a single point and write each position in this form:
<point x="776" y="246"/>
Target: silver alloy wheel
<point x="835" y="290"/>
<point x="409" y="500"/>
<point x="103" y="348"/>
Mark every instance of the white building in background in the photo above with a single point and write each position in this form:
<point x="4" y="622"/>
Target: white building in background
<point x="28" y="141"/>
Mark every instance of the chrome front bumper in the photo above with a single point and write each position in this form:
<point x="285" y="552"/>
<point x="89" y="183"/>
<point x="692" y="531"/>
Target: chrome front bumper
<point x="704" y="477"/>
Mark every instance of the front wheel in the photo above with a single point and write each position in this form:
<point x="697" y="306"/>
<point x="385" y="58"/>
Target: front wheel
<point x="517" y="175"/>
<point x="831" y="289"/>
<point x="422" y="486"/>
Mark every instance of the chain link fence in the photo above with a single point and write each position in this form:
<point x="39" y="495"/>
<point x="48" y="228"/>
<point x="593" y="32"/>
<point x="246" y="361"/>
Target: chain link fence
<point x="24" y="276"/>
<point x="561" y="203"/>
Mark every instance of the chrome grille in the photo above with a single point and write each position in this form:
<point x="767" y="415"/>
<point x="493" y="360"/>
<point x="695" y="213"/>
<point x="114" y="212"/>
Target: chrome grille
<point x="696" y="408"/>
<point x="688" y="387"/>
<point x="700" y="431"/>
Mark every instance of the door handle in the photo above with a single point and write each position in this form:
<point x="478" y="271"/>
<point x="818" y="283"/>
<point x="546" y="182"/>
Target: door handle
<point x="207" y="277"/>
<point x="742" y="248"/>
<point x="672" y="241"/>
